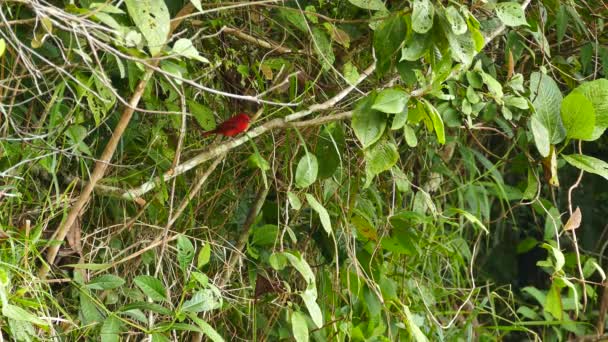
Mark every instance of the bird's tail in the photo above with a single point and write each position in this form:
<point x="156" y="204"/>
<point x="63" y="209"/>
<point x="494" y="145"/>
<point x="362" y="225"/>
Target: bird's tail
<point x="208" y="133"/>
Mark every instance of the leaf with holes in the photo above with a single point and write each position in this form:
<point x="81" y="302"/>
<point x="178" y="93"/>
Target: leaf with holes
<point x="152" y="19"/>
<point x="511" y="14"/>
<point x="423" y="13"/>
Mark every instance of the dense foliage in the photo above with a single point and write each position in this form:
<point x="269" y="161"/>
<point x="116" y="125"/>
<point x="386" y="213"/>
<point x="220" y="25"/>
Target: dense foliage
<point x="414" y="170"/>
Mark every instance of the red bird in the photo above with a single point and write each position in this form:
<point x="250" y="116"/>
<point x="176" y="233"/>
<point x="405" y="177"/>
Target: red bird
<point x="231" y="127"/>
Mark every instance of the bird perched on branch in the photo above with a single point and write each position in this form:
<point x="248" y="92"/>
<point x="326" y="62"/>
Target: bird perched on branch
<point x="231" y="127"/>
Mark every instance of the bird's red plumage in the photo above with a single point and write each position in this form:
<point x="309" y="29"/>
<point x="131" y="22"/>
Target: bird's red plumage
<point x="231" y="127"/>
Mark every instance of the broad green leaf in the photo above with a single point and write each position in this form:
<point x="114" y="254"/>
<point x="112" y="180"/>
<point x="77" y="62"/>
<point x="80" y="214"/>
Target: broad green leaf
<point x="553" y="303"/>
<point x="185" y="252"/>
<point x="183" y="47"/>
<point x="391" y="101"/>
<point x="299" y="327"/>
<point x="329" y="149"/>
<point x="423" y="14"/>
<point x="597" y="92"/>
<point x="110" y="330"/>
<point x="415" y="47"/>
<point x="277" y="261"/>
<point x="204" y="255"/>
<point x="374" y="5"/>
<point x="296" y="18"/>
<point x="320" y="209"/>
<point x="560" y="260"/>
<point x="381" y="157"/>
<point x="541" y="136"/>
<point x="547" y="99"/>
<point x="410" y="136"/>
<point x="368" y="124"/>
<point x="88" y="309"/>
<point x="202" y="114"/>
<point x="511" y="14"/>
<point x="264" y="235"/>
<point x="387" y="39"/>
<point x="151" y="287"/>
<point x="458" y="25"/>
<point x="400" y="119"/>
<point x="257" y="161"/>
<point x="105" y="282"/>
<point x="493" y="85"/>
<point x="309" y="296"/>
<point x="462" y="46"/>
<point x="202" y="301"/>
<point x="14" y="312"/>
<point x="578" y="116"/>
<point x="588" y="164"/>
<point x="412" y="327"/>
<point x="351" y="74"/>
<point x="301" y="266"/>
<point x="152" y="19"/>
<point x="294" y="201"/>
<point x="322" y="46"/>
<point x="307" y="170"/>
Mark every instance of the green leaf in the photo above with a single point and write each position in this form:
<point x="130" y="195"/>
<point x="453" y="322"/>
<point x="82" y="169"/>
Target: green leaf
<point x="400" y="119"/>
<point x="320" y="209"/>
<point x="387" y="39"/>
<point x="14" y="312"/>
<point x="511" y="14"/>
<point x="294" y="201"/>
<point x="147" y="306"/>
<point x="330" y="146"/>
<point x="391" y="101"/>
<point x="412" y="327"/>
<point x="264" y="235"/>
<point x="546" y="99"/>
<point x="437" y="121"/>
<point x="410" y="136"/>
<point x="309" y="296"/>
<point x="493" y="85"/>
<point x="462" y="46"/>
<point x="299" y="326"/>
<point x="152" y="19"/>
<point x="541" y="136"/>
<point x="597" y="92"/>
<point x="553" y="303"/>
<point x="105" y="282"/>
<point x="457" y="23"/>
<point x="578" y="116"/>
<point x="368" y="124"/>
<point x="415" y="47"/>
<point x="204" y="255"/>
<point x="185" y="252"/>
<point x="423" y="13"/>
<point x="202" y="301"/>
<point x="110" y="330"/>
<point x="295" y="18"/>
<point x="203" y="115"/>
<point x="183" y="47"/>
<point x="381" y="157"/>
<point x="307" y="170"/>
<point x="206" y="328"/>
<point x="588" y="164"/>
<point x="374" y="5"/>
<point x="322" y="46"/>
<point x="301" y="266"/>
<point x="151" y="287"/>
